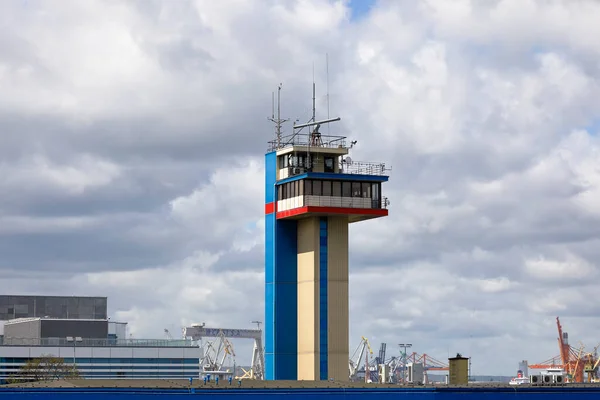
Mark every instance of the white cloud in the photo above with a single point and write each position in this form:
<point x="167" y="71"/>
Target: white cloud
<point x="29" y="225"/>
<point x="76" y="176"/>
<point x="562" y="271"/>
<point x="227" y="208"/>
<point x="494" y="285"/>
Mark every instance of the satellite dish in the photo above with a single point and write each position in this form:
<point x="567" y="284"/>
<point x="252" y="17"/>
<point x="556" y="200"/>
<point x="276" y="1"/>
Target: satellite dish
<point x="348" y="160"/>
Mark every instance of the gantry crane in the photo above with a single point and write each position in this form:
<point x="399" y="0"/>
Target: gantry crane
<point x="197" y="332"/>
<point x="429" y="363"/>
<point x="395" y="366"/>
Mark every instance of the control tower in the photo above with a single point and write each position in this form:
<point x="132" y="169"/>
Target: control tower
<point x="313" y="191"/>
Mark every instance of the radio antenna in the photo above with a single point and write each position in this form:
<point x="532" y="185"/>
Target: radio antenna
<point x="313" y="99"/>
<point x="277" y="121"/>
<point x="313" y="119"/>
<point x="327" y="85"/>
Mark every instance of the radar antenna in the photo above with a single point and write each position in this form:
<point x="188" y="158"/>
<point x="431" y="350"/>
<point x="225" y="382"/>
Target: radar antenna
<point x="278" y="122"/>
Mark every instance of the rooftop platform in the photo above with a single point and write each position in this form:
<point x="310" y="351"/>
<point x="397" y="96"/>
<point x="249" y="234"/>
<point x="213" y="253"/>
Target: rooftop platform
<point x="304" y="141"/>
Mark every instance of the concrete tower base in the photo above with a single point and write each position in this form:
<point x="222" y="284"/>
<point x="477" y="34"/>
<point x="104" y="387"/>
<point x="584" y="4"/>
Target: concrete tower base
<point x="323" y="347"/>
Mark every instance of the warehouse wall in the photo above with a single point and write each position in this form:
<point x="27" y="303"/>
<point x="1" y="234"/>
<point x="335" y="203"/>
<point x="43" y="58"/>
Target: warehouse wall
<point x="85" y="329"/>
<point x="24" y="330"/>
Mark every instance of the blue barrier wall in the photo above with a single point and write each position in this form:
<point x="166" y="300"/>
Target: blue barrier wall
<point x="314" y="394"/>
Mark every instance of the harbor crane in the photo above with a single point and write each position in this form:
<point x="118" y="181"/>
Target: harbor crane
<point x="199" y="331"/>
<point x="574" y="362"/>
<point x="360" y="358"/>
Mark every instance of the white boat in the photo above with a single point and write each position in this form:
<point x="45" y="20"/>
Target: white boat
<point x="520" y="379"/>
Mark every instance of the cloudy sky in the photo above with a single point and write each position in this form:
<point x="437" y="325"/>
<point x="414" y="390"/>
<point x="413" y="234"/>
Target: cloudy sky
<point x="133" y="135"/>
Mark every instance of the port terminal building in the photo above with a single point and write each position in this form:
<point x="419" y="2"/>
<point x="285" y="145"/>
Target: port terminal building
<point x="97" y="347"/>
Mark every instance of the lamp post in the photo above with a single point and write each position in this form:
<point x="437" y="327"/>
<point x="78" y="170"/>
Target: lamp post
<point x="404" y="346"/>
<point x="75" y="340"/>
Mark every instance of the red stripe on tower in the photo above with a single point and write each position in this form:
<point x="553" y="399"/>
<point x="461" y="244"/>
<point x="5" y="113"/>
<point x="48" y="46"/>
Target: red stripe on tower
<point x="270" y="208"/>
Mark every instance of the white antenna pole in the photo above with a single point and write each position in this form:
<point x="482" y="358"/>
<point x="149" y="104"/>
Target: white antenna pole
<point x="278" y="122"/>
<point x="310" y="135"/>
<point x="279" y="115"/>
<point x="313" y="99"/>
<point x="327" y="74"/>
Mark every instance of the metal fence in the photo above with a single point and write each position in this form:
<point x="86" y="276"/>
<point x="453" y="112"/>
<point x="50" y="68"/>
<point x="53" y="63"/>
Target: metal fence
<point x="363" y="168"/>
<point x="345" y="202"/>
<point x="327" y="141"/>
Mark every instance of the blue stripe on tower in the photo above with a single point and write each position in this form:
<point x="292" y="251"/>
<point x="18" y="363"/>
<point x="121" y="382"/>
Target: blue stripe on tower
<point x="323" y="345"/>
<point x="270" y="296"/>
<point x="281" y="265"/>
<point x="286" y="295"/>
<point x="270" y="221"/>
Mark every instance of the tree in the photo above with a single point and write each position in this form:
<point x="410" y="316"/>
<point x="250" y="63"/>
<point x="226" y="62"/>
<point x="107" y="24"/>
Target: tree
<point x="45" y="368"/>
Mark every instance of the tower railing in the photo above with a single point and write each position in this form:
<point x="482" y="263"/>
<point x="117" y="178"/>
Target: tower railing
<point x="327" y="141"/>
<point x="335" y="201"/>
<point x="363" y="168"/>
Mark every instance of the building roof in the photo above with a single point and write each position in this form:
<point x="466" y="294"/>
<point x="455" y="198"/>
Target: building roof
<point x="30" y="319"/>
<point x="87" y="342"/>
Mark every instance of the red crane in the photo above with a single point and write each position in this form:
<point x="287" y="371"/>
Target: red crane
<point x="571" y="360"/>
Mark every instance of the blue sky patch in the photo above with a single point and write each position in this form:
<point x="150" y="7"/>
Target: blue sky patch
<point x="593" y="127"/>
<point x="360" y="8"/>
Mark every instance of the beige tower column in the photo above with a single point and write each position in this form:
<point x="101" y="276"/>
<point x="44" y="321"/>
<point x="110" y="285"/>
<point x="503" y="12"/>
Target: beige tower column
<point x="308" y="299"/>
<point x="337" y="301"/>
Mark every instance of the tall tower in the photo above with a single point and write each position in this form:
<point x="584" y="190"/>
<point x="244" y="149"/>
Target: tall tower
<point x="313" y="191"/>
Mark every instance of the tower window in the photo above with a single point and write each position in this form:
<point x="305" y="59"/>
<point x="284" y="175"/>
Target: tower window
<point x="356" y="189"/>
<point x="283" y="162"/>
<point x="366" y="190"/>
<point x="326" y="188"/>
<point x="308" y="187"/>
<point x="337" y="189"/>
<point x="316" y="188"/>
<point x="346" y="189"/>
<point x="329" y="164"/>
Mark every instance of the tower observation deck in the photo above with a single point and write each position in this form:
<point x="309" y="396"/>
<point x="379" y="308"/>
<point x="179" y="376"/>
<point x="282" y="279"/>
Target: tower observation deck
<point x="313" y="191"/>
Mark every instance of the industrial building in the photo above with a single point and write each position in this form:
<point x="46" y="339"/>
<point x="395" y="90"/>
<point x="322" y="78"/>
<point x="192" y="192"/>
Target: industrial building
<point x="98" y="348"/>
<point x="66" y="307"/>
<point x="313" y="191"/>
<point x="62" y="307"/>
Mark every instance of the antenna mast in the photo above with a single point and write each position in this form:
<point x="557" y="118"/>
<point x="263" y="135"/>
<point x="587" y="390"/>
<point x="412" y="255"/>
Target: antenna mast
<point x="313" y="119"/>
<point x="327" y="77"/>
<point x="313" y="99"/>
<point x="278" y="122"/>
